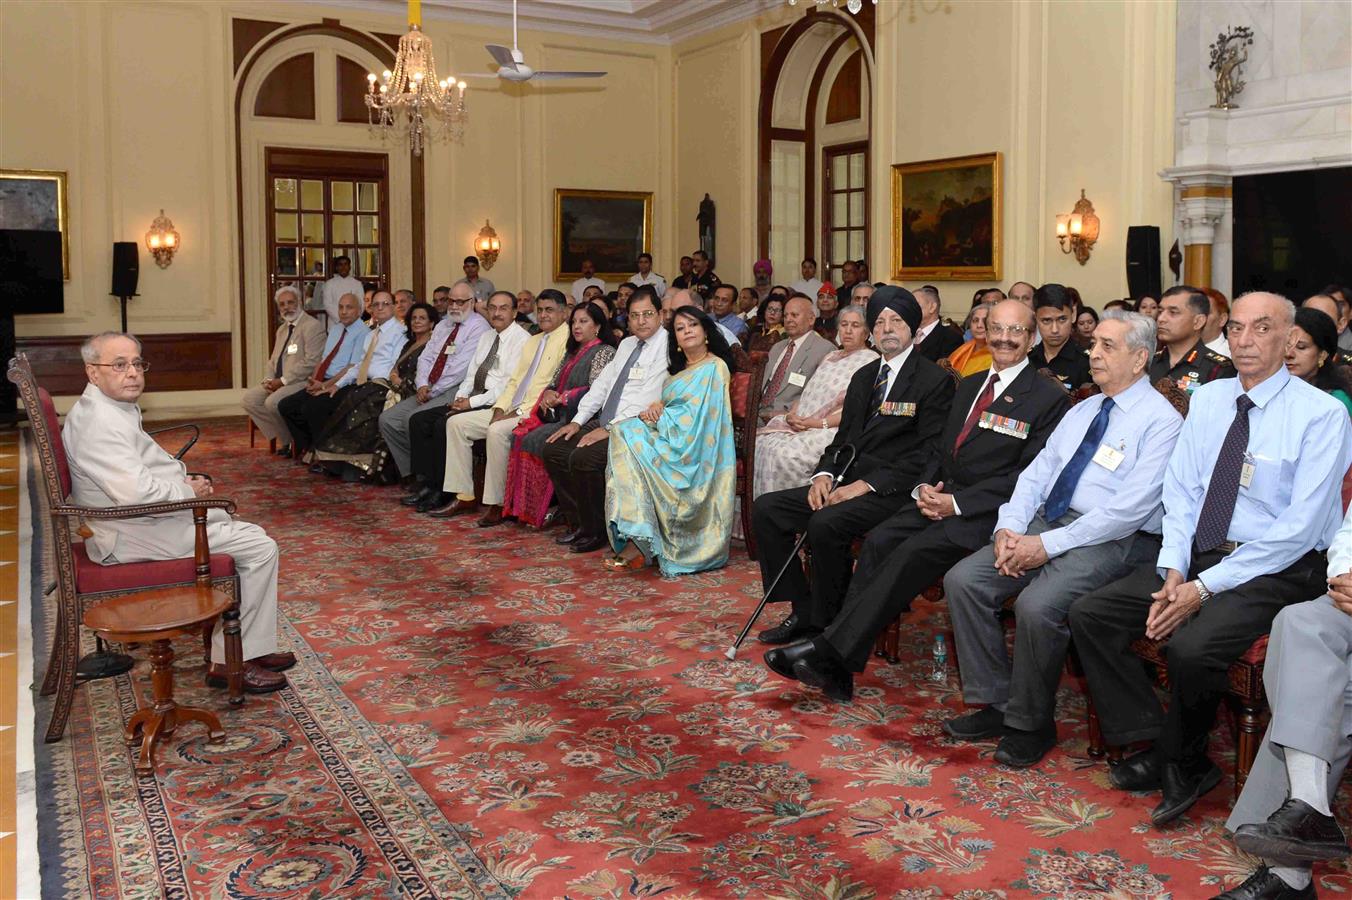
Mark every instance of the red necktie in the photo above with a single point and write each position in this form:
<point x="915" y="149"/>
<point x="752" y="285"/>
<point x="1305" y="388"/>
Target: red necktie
<point x="983" y="401"/>
<point x="781" y="372"/>
<point x="322" y="370"/>
<point x="440" y="365"/>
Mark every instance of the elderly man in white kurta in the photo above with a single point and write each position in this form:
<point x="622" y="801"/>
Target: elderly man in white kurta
<point x="113" y="462"/>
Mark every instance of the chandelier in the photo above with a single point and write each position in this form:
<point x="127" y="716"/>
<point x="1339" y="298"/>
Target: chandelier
<point x="853" y="6"/>
<point x="410" y="101"/>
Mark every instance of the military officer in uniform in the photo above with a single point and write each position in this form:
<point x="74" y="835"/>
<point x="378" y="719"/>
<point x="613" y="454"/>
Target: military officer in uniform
<point x="1184" y="358"/>
<point x="1055" y="311"/>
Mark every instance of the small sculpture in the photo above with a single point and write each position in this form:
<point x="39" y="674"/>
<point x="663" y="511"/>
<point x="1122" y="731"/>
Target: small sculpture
<point x="707" y="220"/>
<point x="1229" y="53"/>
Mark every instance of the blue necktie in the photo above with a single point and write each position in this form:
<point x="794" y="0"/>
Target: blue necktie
<point x="612" y="404"/>
<point x="879" y="390"/>
<point x="1058" y="500"/>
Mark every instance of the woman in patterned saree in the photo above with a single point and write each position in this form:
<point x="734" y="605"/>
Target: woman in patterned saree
<point x="788" y="446"/>
<point x="352" y="433"/>
<point x="591" y="345"/>
<point x="672" y="471"/>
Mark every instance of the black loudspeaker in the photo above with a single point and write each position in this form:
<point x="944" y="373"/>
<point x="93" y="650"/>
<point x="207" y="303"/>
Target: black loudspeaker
<point x="1143" y="261"/>
<point x="126" y="268"/>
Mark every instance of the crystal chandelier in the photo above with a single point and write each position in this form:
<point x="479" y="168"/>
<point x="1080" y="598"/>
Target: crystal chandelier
<point x="410" y="100"/>
<point x="853" y="6"/>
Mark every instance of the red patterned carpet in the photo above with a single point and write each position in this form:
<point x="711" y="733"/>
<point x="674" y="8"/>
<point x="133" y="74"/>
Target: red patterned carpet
<point x="478" y="713"/>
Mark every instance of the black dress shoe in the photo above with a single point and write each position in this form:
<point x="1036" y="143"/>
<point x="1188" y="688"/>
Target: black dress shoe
<point x="835" y="680"/>
<point x="791" y="629"/>
<point x="435" y="501"/>
<point x="317" y="469"/>
<point x="1183" y="786"/>
<point x="413" y="498"/>
<point x="568" y="537"/>
<point x="1138" y="772"/>
<point x="1265" y="885"/>
<point x="588" y="544"/>
<point x="1296" y="834"/>
<point x="781" y="659"/>
<point x="981" y="725"/>
<point x="1023" y="749"/>
<point x="284" y="451"/>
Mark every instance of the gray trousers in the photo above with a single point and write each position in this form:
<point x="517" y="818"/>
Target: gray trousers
<point x="1025" y="687"/>
<point x="1308" y="677"/>
<point x="261" y="406"/>
<point x="394" y="426"/>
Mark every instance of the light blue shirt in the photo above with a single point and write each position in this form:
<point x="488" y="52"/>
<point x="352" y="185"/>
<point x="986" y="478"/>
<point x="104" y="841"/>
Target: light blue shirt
<point x="390" y="336"/>
<point x="734" y="323"/>
<point x="1112" y="503"/>
<point x="458" y="352"/>
<point x="353" y="345"/>
<point x="1300" y="446"/>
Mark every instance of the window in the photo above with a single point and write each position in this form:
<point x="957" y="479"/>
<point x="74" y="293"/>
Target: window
<point x="845" y="219"/>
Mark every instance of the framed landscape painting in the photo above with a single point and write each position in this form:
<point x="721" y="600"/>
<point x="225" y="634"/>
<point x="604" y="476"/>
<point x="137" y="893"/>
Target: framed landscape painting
<point x="35" y="200"/>
<point x="946" y="219"/>
<point x="611" y="228"/>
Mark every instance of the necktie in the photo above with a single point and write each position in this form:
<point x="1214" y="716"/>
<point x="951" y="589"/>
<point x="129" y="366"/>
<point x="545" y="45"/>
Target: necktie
<point x="1058" y="499"/>
<point x="530" y="374"/>
<point x="481" y="373"/>
<point x="613" y="398"/>
<point x="1213" y="524"/>
<point x="879" y="390"/>
<point x="364" y="369"/>
<point x="983" y="401"/>
<point x="440" y="365"/>
<point x="281" y="357"/>
<point x="781" y="372"/>
<point x="322" y="370"/>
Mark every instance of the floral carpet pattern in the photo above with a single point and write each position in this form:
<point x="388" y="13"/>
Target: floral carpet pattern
<point x="478" y="713"/>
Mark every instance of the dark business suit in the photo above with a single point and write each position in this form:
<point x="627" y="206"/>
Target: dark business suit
<point x="892" y="450"/>
<point x="908" y="552"/>
<point x="942" y="340"/>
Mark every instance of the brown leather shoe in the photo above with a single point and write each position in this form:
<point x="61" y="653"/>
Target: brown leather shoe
<point x="492" y="516"/>
<point x="456" y="507"/>
<point x="257" y="680"/>
<point x="275" y="662"/>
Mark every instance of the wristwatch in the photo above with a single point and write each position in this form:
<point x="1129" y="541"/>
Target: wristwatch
<point x="1203" y="593"/>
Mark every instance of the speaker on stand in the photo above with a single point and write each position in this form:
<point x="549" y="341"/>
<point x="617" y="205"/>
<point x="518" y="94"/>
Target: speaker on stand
<point x="1143" y="261"/>
<point x="126" y="270"/>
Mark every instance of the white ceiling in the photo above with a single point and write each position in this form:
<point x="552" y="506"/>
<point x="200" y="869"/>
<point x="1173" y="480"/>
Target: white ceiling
<point x="649" y="21"/>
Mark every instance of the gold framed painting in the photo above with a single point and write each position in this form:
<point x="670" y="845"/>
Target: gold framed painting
<point x="611" y="228"/>
<point x="946" y="219"/>
<point x="35" y="200"/>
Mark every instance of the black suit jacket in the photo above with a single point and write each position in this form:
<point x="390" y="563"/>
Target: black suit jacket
<point x="892" y="449"/>
<point x="982" y="474"/>
<point x="940" y="342"/>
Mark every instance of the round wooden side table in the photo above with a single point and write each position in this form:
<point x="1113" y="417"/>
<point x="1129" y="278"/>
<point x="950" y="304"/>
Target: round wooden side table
<point x="155" y="617"/>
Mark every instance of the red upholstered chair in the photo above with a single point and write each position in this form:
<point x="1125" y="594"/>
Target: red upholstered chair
<point x="82" y="582"/>
<point x="744" y="395"/>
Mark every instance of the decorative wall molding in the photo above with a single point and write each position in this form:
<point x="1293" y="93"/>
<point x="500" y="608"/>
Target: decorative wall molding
<point x="181" y="362"/>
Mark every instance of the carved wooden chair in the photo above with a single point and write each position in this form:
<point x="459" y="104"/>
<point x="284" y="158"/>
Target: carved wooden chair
<point x="745" y="395"/>
<point x="81" y="582"/>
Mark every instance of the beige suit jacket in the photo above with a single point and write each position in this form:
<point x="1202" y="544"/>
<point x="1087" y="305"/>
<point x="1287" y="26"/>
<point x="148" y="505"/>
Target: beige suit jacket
<point x="805" y="360"/>
<point x="308" y="339"/>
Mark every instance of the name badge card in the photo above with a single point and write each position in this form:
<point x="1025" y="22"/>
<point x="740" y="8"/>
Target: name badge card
<point x="1004" y="425"/>
<point x="796" y="379"/>
<point x="1109" y="458"/>
<point x="292" y="349"/>
<point x="637" y="373"/>
<point x="450" y="348"/>
<point x="1246" y="474"/>
<point x="896" y="409"/>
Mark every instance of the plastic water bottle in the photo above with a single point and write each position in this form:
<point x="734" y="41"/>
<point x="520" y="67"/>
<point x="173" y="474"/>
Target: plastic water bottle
<point x="940" y="672"/>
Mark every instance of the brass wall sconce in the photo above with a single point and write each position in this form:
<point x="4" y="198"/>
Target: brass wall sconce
<point x="487" y="246"/>
<point x="162" y="240"/>
<point x="1077" y="231"/>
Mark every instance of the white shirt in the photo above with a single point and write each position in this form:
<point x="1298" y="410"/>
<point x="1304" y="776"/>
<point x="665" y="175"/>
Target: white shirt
<point x="645" y="383"/>
<point x="390" y="336"/>
<point x="658" y="283"/>
<point x="581" y="285"/>
<point x="1219" y="345"/>
<point x="513" y="337"/>
<point x="335" y="288"/>
<point x="1003" y="379"/>
<point x="809" y="286"/>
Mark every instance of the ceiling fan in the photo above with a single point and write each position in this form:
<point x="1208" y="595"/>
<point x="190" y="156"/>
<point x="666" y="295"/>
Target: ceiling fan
<point x="512" y="63"/>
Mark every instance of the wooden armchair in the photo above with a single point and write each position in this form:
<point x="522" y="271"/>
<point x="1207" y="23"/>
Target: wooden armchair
<point x="745" y="395"/>
<point x="82" y="582"/>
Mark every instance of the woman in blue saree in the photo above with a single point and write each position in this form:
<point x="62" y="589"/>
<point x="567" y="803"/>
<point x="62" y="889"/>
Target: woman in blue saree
<point x="672" y="472"/>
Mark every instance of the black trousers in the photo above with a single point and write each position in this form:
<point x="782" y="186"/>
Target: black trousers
<point x="305" y="415"/>
<point x="427" y="445"/>
<point x="778" y="519"/>
<point x="579" y="476"/>
<point x="1199" y="653"/>
<point x="900" y="558"/>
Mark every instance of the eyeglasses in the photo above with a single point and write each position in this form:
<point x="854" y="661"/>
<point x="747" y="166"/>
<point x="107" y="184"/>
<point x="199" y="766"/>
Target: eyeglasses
<point x="643" y="315"/>
<point x="1011" y="330"/>
<point x="121" y="366"/>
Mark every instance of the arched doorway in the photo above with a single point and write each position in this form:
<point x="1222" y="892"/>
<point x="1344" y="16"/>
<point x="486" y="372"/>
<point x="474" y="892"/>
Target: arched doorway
<point x="815" y="125"/>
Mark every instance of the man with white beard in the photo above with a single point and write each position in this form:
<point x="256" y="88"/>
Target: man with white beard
<point x="296" y="350"/>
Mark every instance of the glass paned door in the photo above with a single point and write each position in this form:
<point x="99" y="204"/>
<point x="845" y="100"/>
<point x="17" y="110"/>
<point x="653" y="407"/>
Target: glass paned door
<point x="321" y="206"/>
<point x="845" y="204"/>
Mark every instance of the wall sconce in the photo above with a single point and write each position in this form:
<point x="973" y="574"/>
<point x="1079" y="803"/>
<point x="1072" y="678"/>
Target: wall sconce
<point x="486" y="246"/>
<point x="162" y="240"/>
<point x="1079" y="230"/>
